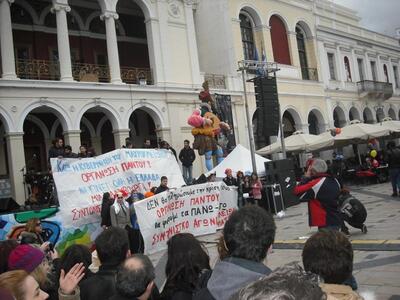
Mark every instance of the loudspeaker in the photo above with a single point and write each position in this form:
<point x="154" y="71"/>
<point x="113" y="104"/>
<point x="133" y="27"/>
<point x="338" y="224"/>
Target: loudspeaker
<point x="267" y="105"/>
<point x="8" y="205"/>
<point x="282" y="172"/>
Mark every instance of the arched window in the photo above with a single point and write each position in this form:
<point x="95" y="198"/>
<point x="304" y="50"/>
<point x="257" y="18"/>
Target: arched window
<point x="246" y="29"/>
<point x="302" y="52"/>
<point x="280" y="46"/>
<point x="347" y="68"/>
<point x="385" y="73"/>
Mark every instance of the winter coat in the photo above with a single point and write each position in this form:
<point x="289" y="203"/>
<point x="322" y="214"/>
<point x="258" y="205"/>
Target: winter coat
<point x="31" y="238"/>
<point x="55" y="152"/>
<point x="230" y="181"/>
<point x="105" y="214"/>
<point x="187" y="156"/>
<point x="229" y="276"/>
<point x="256" y="190"/>
<point x="101" y="285"/>
<point x="161" y="189"/>
<point x="321" y="192"/>
<point x="122" y="219"/>
<point x="75" y="296"/>
<point x="339" y="292"/>
<point x="393" y="158"/>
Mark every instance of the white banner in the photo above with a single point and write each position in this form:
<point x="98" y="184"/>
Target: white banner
<point x="81" y="182"/>
<point x="197" y="209"/>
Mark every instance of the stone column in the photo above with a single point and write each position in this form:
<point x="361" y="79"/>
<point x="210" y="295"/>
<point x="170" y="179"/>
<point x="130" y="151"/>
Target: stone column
<point x="119" y="137"/>
<point x="112" y="46"/>
<point x="96" y="144"/>
<point x="266" y="32"/>
<point x="368" y="71"/>
<point x="16" y="162"/>
<point x="294" y="50"/>
<point x="340" y="66"/>
<point x="356" y="72"/>
<point x="73" y="138"/>
<point x="192" y="45"/>
<point x="6" y="41"/>
<point x="155" y="50"/>
<point x="64" y="53"/>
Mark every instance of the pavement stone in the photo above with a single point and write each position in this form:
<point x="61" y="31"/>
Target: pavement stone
<point x="377" y="272"/>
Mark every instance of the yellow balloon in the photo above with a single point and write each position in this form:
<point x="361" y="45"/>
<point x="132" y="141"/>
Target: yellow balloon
<point x="373" y="153"/>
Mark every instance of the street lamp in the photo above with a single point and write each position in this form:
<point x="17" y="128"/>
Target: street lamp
<point x="262" y="68"/>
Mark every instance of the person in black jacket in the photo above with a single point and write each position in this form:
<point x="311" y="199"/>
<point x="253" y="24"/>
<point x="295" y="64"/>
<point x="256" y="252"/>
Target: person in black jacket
<point x="105" y="210"/>
<point x="163" y="185"/>
<point x="187" y="157"/>
<point x="187" y="260"/>
<point x="135" y="279"/>
<point x="112" y="246"/>
<point x="229" y="180"/>
<point x="393" y="159"/>
<point x="247" y="236"/>
<point x="57" y="150"/>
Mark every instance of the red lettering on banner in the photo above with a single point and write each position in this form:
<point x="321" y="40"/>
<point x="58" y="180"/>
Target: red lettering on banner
<point x="165" y="235"/>
<point x="134" y="165"/>
<point x="84" y="212"/>
<point x="162" y="211"/>
<point x="95" y="175"/>
<point x="204" y="199"/>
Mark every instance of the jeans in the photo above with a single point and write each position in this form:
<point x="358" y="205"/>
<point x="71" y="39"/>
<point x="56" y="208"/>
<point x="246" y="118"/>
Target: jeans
<point x="395" y="179"/>
<point x="187" y="174"/>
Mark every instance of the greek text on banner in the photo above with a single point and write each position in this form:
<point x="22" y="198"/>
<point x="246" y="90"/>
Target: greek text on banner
<point x="197" y="209"/>
<point x="81" y="182"/>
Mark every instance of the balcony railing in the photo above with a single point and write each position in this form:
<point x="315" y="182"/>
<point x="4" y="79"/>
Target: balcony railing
<point x="49" y="70"/>
<point x="215" y="81"/>
<point x="375" y="89"/>
<point x="309" y="74"/>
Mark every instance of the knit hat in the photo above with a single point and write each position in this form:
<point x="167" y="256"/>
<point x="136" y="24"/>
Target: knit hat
<point x="25" y="257"/>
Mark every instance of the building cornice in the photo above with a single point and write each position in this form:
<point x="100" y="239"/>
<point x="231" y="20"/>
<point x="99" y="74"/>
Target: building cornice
<point x="356" y="38"/>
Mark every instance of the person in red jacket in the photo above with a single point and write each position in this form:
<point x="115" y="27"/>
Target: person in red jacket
<point x="321" y="191"/>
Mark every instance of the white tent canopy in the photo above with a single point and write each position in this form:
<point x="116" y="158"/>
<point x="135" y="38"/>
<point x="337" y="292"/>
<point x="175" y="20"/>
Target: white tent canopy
<point x="239" y="160"/>
<point x="299" y="142"/>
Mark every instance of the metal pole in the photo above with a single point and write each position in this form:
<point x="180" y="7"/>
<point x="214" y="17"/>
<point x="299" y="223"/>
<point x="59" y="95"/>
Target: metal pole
<point x="249" y="125"/>
<point x="282" y="135"/>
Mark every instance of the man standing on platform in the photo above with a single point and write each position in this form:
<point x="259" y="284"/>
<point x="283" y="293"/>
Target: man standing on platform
<point x="163" y="185"/>
<point x="187" y="157"/>
<point x="57" y="150"/>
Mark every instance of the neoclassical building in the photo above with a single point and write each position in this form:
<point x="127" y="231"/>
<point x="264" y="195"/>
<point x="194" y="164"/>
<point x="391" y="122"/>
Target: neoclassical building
<point x="331" y="70"/>
<point x="97" y="71"/>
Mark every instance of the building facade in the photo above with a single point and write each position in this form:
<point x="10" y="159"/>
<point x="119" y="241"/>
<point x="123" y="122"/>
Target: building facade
<point x="97" y="71"/>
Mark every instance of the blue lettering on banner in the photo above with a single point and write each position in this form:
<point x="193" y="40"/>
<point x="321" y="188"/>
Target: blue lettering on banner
<point x="118" y="182"/>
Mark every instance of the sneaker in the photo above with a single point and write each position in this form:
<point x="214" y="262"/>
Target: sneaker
<point x="364" y="229"/>
<point x="394" y="195"/>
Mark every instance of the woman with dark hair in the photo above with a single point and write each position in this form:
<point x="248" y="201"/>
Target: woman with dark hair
<point x="105" y="210"/>
<point x="256" y="187"/>
<point x="187" y="260"/>
<point x="247" y="190"/>
<point x="76" y="254"/>
<point x="239" y="184"/>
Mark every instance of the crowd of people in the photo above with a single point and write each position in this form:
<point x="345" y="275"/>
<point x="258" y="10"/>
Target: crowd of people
<point x="31" y="269"/>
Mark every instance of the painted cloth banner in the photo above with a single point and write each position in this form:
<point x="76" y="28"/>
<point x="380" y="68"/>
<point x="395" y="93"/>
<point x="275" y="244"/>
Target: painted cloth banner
<point x="81" y="182"/>
<point x="197" y="209"/>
